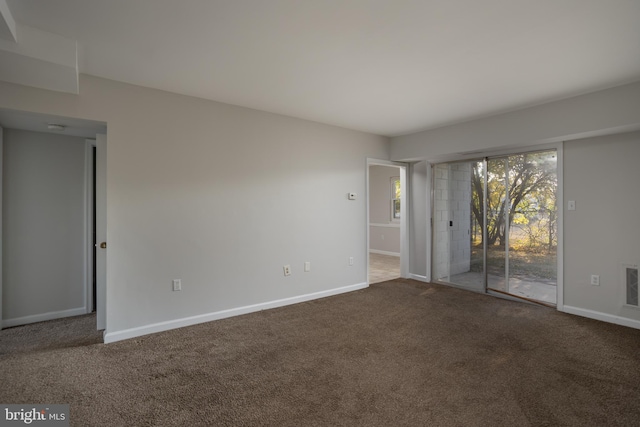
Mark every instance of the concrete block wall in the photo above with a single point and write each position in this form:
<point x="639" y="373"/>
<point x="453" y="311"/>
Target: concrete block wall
<point x="452" y="202"/>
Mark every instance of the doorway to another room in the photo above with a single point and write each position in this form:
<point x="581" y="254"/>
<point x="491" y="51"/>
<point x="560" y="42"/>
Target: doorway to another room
<point x="54" y="212"/>
<point x="386" y="211"/>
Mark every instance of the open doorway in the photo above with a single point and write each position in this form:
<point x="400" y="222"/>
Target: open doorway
<point x="386" y="213"/>
<point x="48" y="199"/>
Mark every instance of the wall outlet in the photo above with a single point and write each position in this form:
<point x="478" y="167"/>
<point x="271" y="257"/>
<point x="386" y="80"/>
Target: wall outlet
<point x="177" y="285"/>
<point x="287" y="270"/>
<point x="595" y="280"/>
<point x="350" y="260"/>
<point x="307" y="266"/>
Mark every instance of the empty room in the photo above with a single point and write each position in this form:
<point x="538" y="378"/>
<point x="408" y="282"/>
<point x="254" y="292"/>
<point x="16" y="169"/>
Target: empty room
<point x="319" y="212"/>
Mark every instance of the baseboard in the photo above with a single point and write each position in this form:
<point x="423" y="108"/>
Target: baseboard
<point x="376" y="251"/>
<point x="418" y="277"/>
<point x="18" y="321"/>
<point x="125" y="334"/>
<point x="604" y="317"/>
<point x="391" y="225"/>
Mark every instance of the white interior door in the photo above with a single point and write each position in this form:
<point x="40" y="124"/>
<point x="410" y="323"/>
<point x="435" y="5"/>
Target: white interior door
<point x="101" y="231"/>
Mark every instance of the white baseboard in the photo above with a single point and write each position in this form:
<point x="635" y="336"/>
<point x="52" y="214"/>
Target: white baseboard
<point x="604" y="317"/>
<point x="376" y="251"/>
<point x="110" y="337"/>
<point x="8" y="323"/>
<point x="418" y="277"/>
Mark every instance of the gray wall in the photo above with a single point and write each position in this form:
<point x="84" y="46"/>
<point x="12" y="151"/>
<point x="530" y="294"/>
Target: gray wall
<point x="608" y="111"/>
<point x="384" y="234"/>
<point x="218" y="196"/>
<point x="43" y="225"/>
<point x="602" y="176"/>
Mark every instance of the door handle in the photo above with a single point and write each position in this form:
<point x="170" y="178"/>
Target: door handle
<point x="103" y="245"/>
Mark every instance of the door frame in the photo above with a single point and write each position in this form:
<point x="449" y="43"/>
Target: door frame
<point x="100" y="218"/>
<point x="404" y="216"/>
<point x="101" y="231"/>
<point x="1" y="220"/>
<point x="89" y="225"/>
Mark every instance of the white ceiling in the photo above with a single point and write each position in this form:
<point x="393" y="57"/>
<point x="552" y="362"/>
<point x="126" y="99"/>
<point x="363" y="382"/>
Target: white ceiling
<point x="388" y="67"/>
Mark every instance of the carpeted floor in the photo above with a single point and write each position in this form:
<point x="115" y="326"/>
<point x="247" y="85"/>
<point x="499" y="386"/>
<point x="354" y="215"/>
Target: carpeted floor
<point x="400" y="353"/>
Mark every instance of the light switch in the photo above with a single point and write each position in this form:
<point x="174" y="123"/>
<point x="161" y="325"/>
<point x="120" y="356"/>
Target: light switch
<point x="571" y="205"/>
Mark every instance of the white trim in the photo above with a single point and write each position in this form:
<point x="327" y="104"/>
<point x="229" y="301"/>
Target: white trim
<point x="1" y="230"/>
<point x="110" y="337"/>
<point x="429" y="228"/>
<point x="560" y="229"/>
<point x="394" y="225"/>
<point x="88" y="232"/>
<point x="418" y="278"/>
<point x="604" y="317"/>
<point x="18" y="321"/>
<point x="376" y="251"/>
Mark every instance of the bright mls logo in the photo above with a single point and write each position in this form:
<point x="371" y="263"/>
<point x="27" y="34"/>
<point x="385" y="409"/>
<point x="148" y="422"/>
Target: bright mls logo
<point x="36" y="415"/>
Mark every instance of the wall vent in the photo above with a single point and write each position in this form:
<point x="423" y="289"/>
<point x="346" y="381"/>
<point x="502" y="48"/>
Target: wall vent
<point x="630" y="275"/>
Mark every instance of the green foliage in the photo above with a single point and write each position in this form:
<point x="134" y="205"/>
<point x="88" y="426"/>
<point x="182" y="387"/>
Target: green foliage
<point x="521" y="196"/>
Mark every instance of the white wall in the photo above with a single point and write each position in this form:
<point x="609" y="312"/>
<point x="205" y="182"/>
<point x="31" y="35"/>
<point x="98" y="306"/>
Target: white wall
<point x="384" y="234"/>
<point x="218" y="196"/>
<point x="43" y="226"/>
<point x="602" y="175"/>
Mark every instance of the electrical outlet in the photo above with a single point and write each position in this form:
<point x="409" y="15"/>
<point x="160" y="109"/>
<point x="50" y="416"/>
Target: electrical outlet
<point x="595" y="280"/>
<point x="177" y="285"/>
<point x="307" y="266"/>
<point x="350" y="260"/>
<point x="287" y="270"/>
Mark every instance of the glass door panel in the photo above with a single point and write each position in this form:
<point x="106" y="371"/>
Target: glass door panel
<point x="532" y="234"/>
<point x="457" y="259"/>
<point x="522" y="225"/>
<point x="497" y="187"/>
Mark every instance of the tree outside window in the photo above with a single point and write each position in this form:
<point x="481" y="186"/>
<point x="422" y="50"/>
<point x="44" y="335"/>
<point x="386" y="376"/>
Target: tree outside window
<point x="396" y="195"/>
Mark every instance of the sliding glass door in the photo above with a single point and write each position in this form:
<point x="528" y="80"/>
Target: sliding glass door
<point x="495" y="225"/>
<point x="457" y="243"/>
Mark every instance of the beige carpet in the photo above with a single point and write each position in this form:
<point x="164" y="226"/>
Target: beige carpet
<point x="383" y="268"/>
<point x="399" y="353"/>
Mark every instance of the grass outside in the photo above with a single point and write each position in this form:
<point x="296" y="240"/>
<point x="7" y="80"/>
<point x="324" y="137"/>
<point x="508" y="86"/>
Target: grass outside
<point x="523" y="264"/>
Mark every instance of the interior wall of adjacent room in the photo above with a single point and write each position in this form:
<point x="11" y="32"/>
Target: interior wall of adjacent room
<point x="43" y="224"/>
<point x="602" y="176"/>
<point x="221" y="197"/>
<point x="384" y="233"/>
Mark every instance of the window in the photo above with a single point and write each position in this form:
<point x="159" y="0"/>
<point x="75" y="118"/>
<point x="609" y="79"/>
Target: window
<point x="396" y="195"/>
